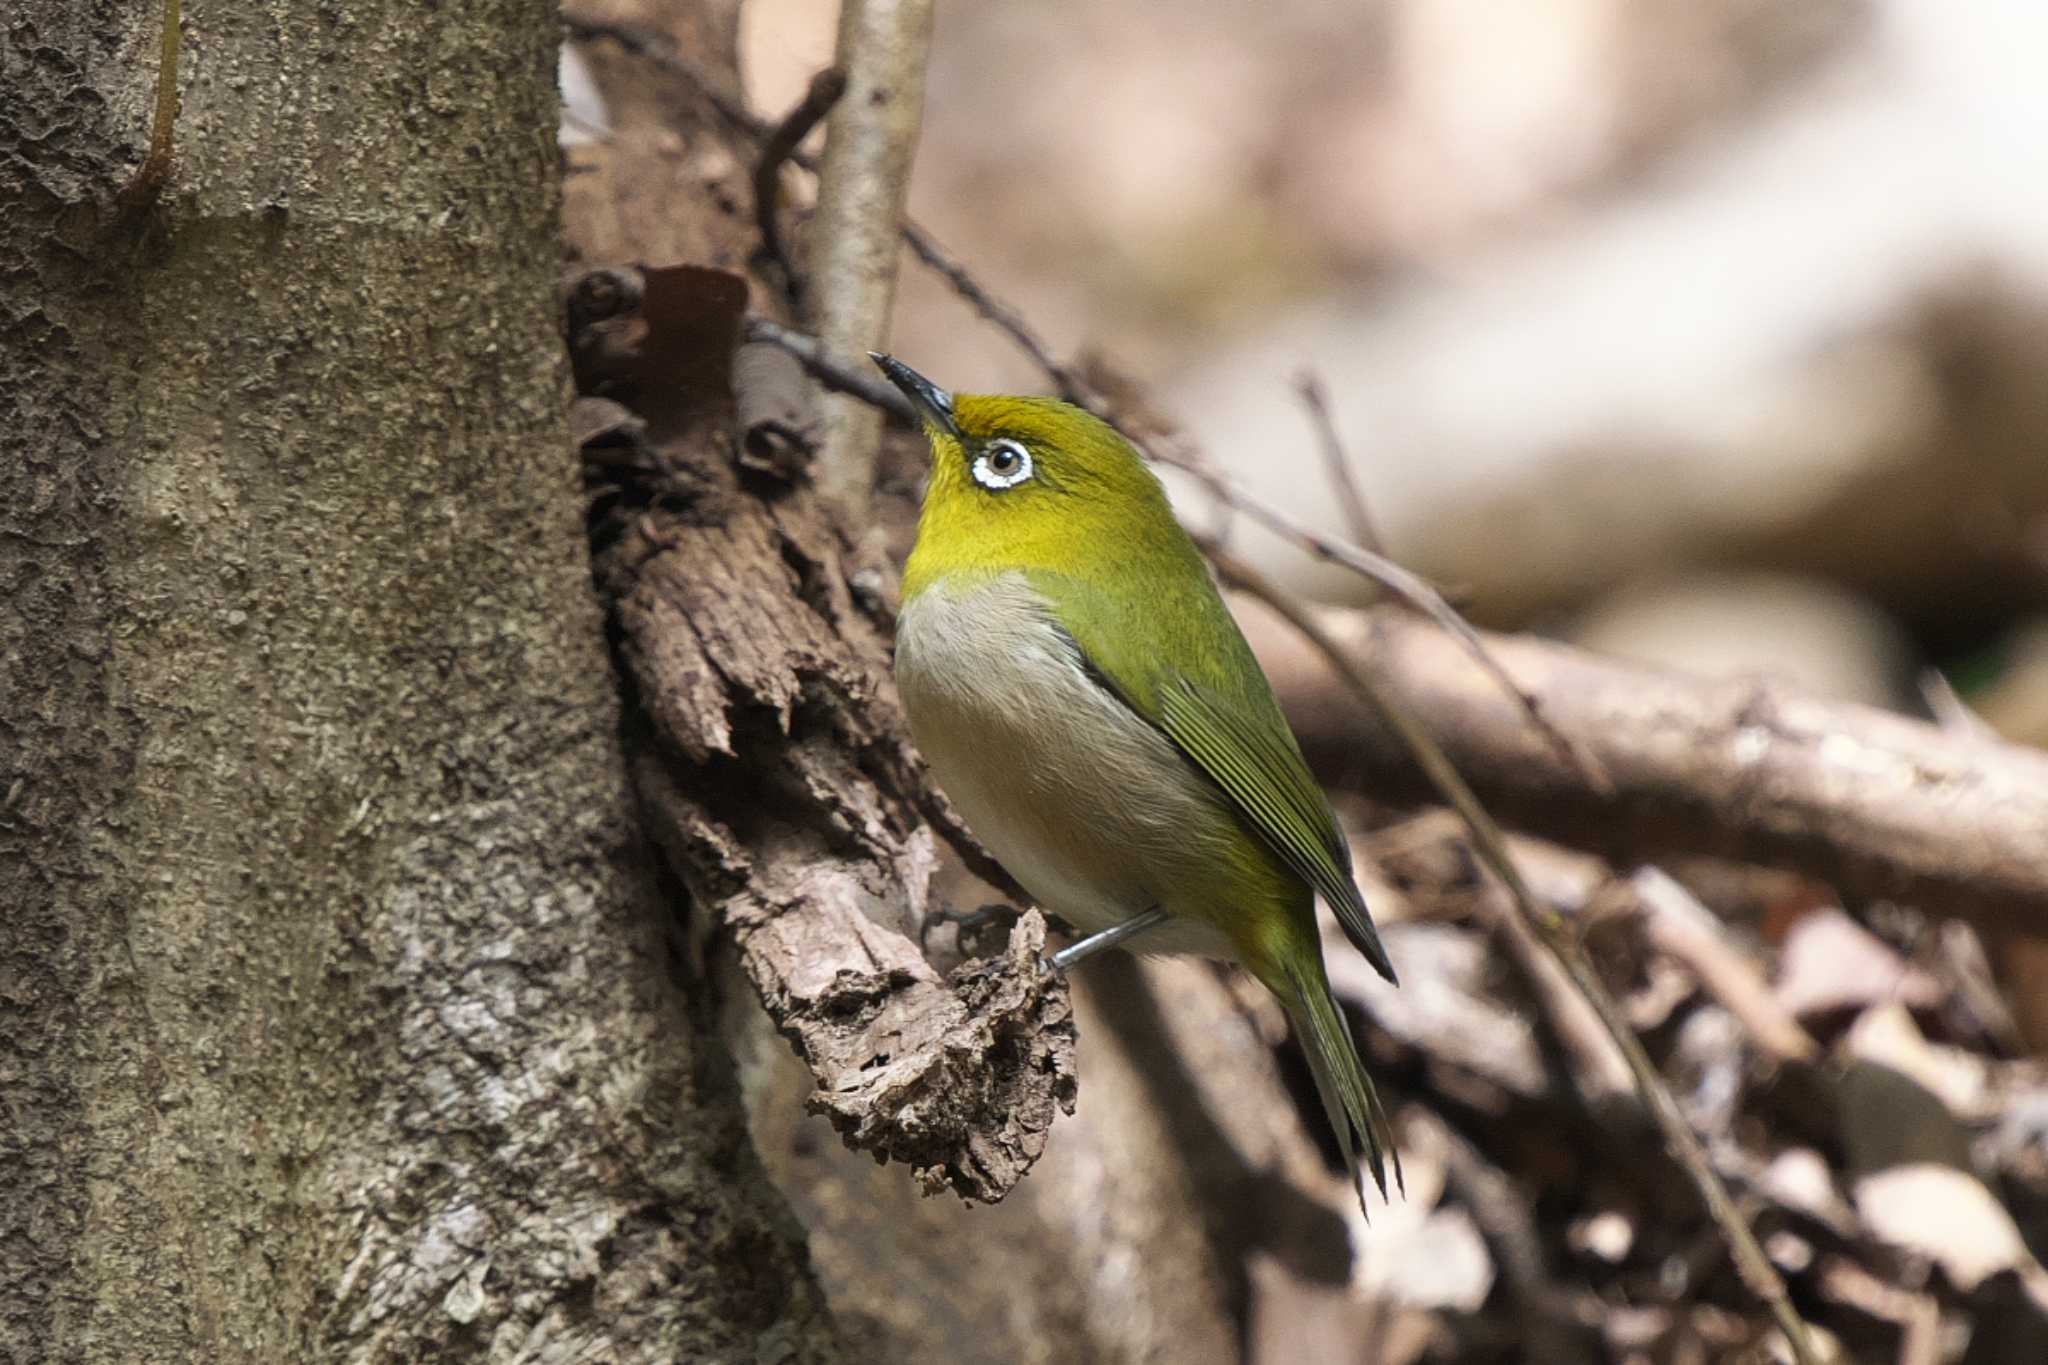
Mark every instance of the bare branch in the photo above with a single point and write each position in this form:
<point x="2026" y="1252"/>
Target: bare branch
<point x="1411" y="588"/>
<point x="655" y="48"/>
<point x="831" y="370"/>
<point x="1343" y="478"/>
<point x="1001" y="315"/>
<point x="1490" y="844"/>
<point x="825" y="90"/>
<point x="852" y="246"/>
<point x="1879" y="806"/>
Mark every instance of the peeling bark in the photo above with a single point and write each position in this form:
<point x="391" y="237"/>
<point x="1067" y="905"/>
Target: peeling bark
<point x="779" y="781"/>
<point x="774" y="765"/>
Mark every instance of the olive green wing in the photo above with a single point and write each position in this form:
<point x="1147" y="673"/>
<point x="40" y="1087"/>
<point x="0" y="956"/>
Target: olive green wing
<point x="1226" y="722"/>
<point x="1254" y="758"/>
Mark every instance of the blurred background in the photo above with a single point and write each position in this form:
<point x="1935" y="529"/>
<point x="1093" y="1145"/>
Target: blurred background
<point x="1708" y="333"/>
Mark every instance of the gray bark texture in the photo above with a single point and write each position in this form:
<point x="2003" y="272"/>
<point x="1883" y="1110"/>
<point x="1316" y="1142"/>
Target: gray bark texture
<point x="339" y="1019"/>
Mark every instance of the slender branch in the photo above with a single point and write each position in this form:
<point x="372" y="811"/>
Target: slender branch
<point x="1490" y="844"/>
<point x="1950" y="711"/>
<point x="1001" y="315"/>
<point x="830" y="369"/>
<point x="150" y="177"/>
<point x="851" y="248"/>
<point x="655" y="49"/>
<point x="825" y="90"/>
<point x="1357" y="516"/>
<point x="1411" y="588"/>
<point x="1601" y="1071"/>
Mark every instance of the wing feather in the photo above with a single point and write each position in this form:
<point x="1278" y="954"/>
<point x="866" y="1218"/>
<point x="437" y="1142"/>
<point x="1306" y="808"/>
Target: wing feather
<point x="1236" y="736"/>
<point x="1261" y="769"/>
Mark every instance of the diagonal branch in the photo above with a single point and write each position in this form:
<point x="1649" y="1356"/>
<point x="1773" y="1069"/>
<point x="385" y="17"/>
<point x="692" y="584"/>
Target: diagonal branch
<point x="1315" y="396"/>
<point x="1878" y="806"/>
<point x="1490" y="844"/>
<point x="825" y="90"/>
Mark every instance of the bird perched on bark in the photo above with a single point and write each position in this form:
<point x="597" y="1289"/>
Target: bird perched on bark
<point x="1086" y="701"/>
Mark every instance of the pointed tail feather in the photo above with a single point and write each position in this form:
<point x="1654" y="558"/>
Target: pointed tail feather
<point x="1341" y="1080"/>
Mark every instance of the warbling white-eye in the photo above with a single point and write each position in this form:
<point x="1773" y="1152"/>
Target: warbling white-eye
<point x="1086" y="701"/>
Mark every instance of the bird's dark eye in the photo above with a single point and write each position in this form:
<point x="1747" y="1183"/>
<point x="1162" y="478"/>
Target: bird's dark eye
<point x="1002" y="463"/>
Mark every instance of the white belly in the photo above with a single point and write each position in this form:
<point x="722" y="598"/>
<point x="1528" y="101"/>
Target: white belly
<point x="1091" y="809"/>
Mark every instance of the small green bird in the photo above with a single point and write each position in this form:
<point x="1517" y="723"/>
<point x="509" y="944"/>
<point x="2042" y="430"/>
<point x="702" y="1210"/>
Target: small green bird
<point x="1087" y="702"/>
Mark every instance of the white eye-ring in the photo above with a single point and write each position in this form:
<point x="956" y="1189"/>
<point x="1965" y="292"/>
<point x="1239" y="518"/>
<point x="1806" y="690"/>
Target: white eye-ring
<point x="1002" y="464"/>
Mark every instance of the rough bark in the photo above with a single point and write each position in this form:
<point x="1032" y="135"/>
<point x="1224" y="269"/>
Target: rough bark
<point x="338" y="1019"/>
<point x="1878" y="805"/>
<point x="1128" y="1242"/>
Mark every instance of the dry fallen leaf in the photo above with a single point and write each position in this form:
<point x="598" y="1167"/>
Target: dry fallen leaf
<point x="1948" y="1216"/>
<point x="1448" y="1004"/>
<point x="1419" y="1251"/>
<point x="1830" y="962"/>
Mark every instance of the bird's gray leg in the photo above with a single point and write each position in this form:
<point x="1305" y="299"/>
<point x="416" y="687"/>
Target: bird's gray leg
<point x="1107" y="938"/>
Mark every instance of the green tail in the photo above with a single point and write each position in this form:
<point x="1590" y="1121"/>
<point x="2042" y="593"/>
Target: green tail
<point x="1348" y="1097"/>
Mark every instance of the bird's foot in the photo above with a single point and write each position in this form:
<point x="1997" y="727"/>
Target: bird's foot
<point x="970" y="926"/>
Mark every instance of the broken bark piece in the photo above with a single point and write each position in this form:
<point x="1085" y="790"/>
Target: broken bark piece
<point x="974" y="1070"/>
<point x="779" y="781"/>
<point x="777" y="425"/>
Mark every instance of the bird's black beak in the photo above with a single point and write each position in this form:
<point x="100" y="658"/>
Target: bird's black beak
<point x="931" y="403"/>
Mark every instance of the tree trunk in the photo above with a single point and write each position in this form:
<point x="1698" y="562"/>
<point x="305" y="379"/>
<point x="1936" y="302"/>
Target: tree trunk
<point x="340" y="1020"/>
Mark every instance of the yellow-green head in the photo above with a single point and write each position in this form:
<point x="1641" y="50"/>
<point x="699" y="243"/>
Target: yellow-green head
<point x="1030" y="483"/>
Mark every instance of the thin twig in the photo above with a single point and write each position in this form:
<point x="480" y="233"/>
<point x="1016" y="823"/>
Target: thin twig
<point x="654" y="47"/>
<point x="825" y="89"/>
<point x="1357" y="516"/>
<point x="1948" y="708"/>
<point x="1411" y="588"/>
<point x="1003" y="316"/>
<point x="150" y="177"/>
<point x="1491" y="846"/>
<point x="1602" y="1073"/>
<point x="830" y="369"/>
